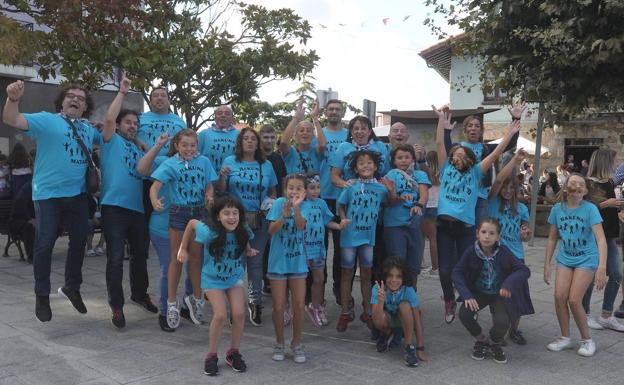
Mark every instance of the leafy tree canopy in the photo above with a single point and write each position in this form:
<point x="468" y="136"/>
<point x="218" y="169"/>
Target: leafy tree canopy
<point x="568" y="54"/>
<point x="185" y="45"/>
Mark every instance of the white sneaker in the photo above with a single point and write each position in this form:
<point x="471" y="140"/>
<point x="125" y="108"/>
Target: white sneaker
<point x="278" y="353"/>
<point x="560" y="344"/>
<point x="593" y="324"/>
<point x="587" y="349"/>
<point x="610" y="323"/>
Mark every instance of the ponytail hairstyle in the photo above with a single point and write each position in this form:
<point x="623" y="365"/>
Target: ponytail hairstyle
<point x="217" y="245"/>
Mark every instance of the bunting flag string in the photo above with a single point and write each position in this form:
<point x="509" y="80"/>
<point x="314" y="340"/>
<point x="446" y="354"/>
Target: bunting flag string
<point x="385" y="21"/>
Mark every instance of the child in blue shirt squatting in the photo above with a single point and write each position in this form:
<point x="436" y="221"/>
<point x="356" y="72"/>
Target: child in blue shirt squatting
<point x="581" y="258"/>
<point x="395" y="305"/>
<point x="488" y="274"/>
<point x="190" y="177"/>
<point x="317" y="216"/>
<point x="402" y="221"/>
<point x="460" y="177"/>
<point x="287" y="264"/>
<point x="360" y="204"/>
<point x="513" y="218"/>
<point x="223" y="273"/>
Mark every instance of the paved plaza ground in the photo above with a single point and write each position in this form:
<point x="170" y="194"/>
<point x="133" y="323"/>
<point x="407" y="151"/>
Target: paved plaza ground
<point x="88" y="349"/>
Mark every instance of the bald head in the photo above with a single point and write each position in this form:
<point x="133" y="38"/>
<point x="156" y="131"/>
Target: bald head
<point x="224" y="117"/>
<point x="398" y="134"/>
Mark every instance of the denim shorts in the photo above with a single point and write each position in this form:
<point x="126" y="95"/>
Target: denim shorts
<point x="431" y="212"/>
<point x="284" y="277"/>
<point x="349" y="254"/>
<point x="587" y="268"/>
<point x="317" y="263"/>
<point x="180" y="216"/>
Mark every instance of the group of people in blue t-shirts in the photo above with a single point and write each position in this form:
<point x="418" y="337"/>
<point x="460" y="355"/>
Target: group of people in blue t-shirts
<point x="226" y="204"/>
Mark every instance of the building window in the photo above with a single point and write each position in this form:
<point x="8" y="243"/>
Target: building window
<point x="495" y="96"/>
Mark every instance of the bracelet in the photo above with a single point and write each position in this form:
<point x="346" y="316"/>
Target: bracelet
<point x="13" y="100"/>
<point x="513" y="119"/>
<point x="420" y="348"/>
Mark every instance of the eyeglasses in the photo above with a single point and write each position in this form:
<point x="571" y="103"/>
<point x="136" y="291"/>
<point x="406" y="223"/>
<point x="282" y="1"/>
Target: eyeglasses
<point x="223" y="113"/>
<point x="80" y="98"/>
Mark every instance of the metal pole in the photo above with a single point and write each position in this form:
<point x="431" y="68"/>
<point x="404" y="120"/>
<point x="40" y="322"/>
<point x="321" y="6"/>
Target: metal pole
<point x="536" y="172"/>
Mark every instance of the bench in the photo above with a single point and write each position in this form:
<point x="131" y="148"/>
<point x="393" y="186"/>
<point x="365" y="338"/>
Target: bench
<point x="6" y="210"/>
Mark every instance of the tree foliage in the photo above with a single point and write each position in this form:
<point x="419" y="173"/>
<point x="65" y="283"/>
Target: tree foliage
<point x="568" y="54"/>
<point x="186" y="45"/>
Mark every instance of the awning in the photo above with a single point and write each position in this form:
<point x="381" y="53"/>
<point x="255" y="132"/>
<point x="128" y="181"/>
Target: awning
<point x="528" y="145"/>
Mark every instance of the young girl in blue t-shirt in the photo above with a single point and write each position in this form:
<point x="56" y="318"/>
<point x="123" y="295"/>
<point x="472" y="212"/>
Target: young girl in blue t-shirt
<point x="317" y="216"/>
<point x="460" y="177"/>
<point x="396" y="305"/>
<point x="402" y="221"/>
<point x="190" y="176"/>
<point x="513" y="218"/>
<point x="224" y="241"/>
<point x="581" y="258"/>
<point x="287" y="264"/>
<point x="359" y="205"/>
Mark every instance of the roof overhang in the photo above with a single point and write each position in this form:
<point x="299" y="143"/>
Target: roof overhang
<point x="423" y="116"/>
<point x="438" y="56"/>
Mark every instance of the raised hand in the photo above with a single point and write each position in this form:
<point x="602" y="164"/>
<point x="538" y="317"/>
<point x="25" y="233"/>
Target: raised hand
<point x="419" y="151"/>
<point x="315" y="110"/>
<point x="381" y="292"/>
<point x="298" y="200"/>
<point x="225" y="171"/>
<point x="124" y="85"/>
<point x="521" y="155"/>
<point x="15" y="90"/>
<point x="299" y="111"/>
<point x="162" y="140"/>
<point x="514" y="127"/>
<point x="440" y="111"/>
<point x="517" y="110"/>
<point x="525" y="232"/>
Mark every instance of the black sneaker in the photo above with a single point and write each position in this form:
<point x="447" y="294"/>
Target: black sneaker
<point x="383" y="341"/>
<point x="42" y="308"/>
<point x="619" y="313"/>
<point x="498" y="354"/>
<point x="164" y="326"/>
<point x="186" y="314"/>
<point x="517" y="337"/>
<point x="235" y="361"/>
<point x="255" y="314"/>
<point x="210" y="366"/>
<point x="74" y="297"/>
<point x="118" y="319"/>
<point x="410" y="356"/>
<point x="146" y="303"/>
<point x="479" y="351"/>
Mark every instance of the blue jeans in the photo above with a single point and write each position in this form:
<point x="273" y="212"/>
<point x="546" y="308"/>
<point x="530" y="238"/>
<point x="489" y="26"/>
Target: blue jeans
<point x="254" y="264"/>
<point x="454" y="238"/>
<point x="121" y="224"/>
<point x="73" y="213"/>
<point x="481" y="210"/>
<point x="163" y="250"/>
<point x="614" y="272"/>
<point x="405" y="242"/>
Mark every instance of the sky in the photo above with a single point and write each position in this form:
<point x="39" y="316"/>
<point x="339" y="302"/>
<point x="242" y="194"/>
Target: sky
<point x="363" y="58"/>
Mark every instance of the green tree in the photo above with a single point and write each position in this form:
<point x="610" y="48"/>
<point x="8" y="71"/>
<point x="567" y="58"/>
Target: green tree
<point x="565" y="53"/>
<point x="185" y="45"/>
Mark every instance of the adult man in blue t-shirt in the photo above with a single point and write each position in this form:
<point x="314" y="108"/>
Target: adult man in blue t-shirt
<point x="219" y="141"/>
<point x="122" y="207"/>
<point x="59" y="188"/>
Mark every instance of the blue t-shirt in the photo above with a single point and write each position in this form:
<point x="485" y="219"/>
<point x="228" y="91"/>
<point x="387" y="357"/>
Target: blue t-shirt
<point x="286" y="255"/>
<point x="317" y="216"/>
<point x="334" y="139"/>
<point x="122" y="185"/>
<point x="578" y="246"/>
<point x="341" y="159"/>
<point x="363" y="203"/>
<point x="188" y="179"/>
<point x="60" y="164"/>
<point x="394" y="299"/>
<point x="301" y="162"/>
<point x="479" y="151"/>
<point x="399" y="214"/>
<point x="510" y="224"/>
<point x="230" y="269"/>
<point x="217" y="145"/>
<point x="459" y="192"/>
<point x="153" y="125"/>
<point x="244" y="181"/>
<point x="159" y="220"/>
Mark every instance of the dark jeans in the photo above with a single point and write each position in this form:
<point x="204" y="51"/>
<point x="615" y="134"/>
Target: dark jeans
<point x="73" y="213"/>
<point x="453" y="239"/>
<point x="336" y="266"/>
<point x="614" y="272"/>
<point x="500" y="319"/>
<point x="121" y="224"/>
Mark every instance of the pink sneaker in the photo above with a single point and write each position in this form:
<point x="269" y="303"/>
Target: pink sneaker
<point x="313" y="313"/>
<point x="323" y="315"/>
